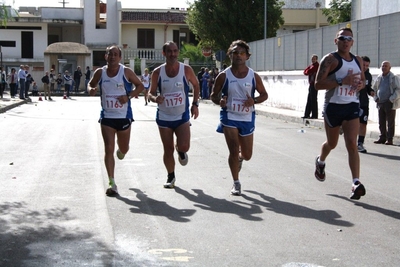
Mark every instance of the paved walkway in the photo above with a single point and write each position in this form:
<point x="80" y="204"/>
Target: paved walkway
<point x="283" y="114"/>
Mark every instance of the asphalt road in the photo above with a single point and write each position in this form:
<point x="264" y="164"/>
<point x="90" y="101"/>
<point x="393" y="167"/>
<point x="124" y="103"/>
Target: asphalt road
<point x="54" y="212"/>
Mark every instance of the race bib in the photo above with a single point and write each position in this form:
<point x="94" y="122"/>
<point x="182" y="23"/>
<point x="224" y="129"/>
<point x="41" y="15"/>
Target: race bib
<point x="172" y="100"/>
<point x="238" y="106"/>
<point x="344" y="91"/>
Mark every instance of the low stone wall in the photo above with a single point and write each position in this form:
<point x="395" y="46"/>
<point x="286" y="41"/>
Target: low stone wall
<point x="289" y="90"/>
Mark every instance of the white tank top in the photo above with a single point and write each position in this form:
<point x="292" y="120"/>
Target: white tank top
<point x="111" y="89"/>
<point x="238" y="90"/>
<point x="175" y="93"/>
<point x="146" y="80"/>
<point x="344" y="94"/>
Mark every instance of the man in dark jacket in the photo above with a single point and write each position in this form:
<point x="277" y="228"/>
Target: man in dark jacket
<point x="364" y="104"/>
<point x="46" y="87"/>
<point x="77" y="78"/>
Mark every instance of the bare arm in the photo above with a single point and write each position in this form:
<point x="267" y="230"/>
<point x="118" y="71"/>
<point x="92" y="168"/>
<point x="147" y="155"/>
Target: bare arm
<point x="94" y="81"/>
<point x="133" y="78"/>
<point x="323" y="81"/>
<point x="217" y="88"/>
<point x="192" y="78"/>
<point x="153" y="87"/>
<point x="260" y="89"/>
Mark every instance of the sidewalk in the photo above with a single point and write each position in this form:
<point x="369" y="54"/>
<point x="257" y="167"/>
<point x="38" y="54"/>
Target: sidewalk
<point x="7" y="103"/>
<point x="294" y="116"/>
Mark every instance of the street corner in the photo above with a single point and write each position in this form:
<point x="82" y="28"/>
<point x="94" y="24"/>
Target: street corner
<point x="7" y="103"/>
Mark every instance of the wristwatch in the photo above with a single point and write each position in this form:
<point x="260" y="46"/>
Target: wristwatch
<point x="196" y="103"/>
<point x="339" y="81"/>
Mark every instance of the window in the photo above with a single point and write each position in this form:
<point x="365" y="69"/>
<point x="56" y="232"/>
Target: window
<point x="7" y="43"/>
<point x="27" y="44"/>
<point x="145" y="38"/>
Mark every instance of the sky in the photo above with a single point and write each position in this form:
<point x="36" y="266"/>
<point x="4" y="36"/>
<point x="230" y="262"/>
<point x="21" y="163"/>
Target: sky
<point x="153" y="4"/>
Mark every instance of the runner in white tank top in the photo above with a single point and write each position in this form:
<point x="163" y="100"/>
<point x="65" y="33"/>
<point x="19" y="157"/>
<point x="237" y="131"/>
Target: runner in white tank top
<point x="341" y="105"/>
<point x="234" y="91"/>
<point x="116" y="83"/>
<point x="169" y="88"/>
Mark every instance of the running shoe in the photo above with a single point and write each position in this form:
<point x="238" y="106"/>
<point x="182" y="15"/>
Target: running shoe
<point x="236" y="189"/>
<point x="112" y="190"/>
<point x="319" y="171"/>
<point x="182" y="157"/>
<point x="240" y="163"/>
<point x="357" y="191"/>
<point x="120" y="155"/>
<point x="361" y="148"/>
<point x="170" y="183"/>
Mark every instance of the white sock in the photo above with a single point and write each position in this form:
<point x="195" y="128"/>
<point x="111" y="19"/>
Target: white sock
<point x="355" y="180"/>
<point x="321" y="162"/>
<point x="236" y="182"/>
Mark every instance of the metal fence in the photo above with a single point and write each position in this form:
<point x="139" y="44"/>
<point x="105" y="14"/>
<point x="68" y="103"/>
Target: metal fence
<point x="377" y="37"/>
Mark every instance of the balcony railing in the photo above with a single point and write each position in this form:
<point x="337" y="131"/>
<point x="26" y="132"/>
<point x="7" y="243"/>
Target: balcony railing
<point x="152" y="55"/>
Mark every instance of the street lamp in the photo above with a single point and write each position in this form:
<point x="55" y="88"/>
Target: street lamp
<point x="317" y="6"/>
<point x="265" y="19"/>
<point x="1" y="60"/>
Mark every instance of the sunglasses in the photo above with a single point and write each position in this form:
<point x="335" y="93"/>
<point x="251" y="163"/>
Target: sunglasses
<point x="345" y="38"/>
<point x="240" y="53"/>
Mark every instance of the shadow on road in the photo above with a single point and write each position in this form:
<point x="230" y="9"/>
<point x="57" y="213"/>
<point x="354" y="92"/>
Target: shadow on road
<point x="210" y="203"/>
<point x="385" y="156"/>
<point x="150" y="206"/>
<point x="294" y="210"/>
<point x="389" y="213"/>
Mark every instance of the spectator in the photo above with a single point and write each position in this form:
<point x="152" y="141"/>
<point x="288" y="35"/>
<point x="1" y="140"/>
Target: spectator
<point x="387" y="97"/>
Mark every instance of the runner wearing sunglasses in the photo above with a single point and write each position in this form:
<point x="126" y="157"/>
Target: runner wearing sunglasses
<point x="341" y="75"/>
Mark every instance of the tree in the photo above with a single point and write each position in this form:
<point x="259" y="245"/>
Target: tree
<point x="192" y="52"/>
<point x="219" y="22"/>
<point x="4" y="14"/>
<point x="339" y="11"/>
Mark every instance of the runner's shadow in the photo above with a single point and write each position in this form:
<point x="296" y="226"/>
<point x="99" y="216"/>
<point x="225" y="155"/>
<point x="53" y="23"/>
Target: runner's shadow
<point x="389" y="213"/>
<point x="245" y="211"/>
<point x="150" y="206"/>
<point x="386" y="156"/>
<point x="294" y="210"/>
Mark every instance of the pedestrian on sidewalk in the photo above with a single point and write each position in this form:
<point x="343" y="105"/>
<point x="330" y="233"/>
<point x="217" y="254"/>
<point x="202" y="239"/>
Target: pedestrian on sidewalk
<point x="2" y="81"/>
<point x="67" y="83"/>
<point x="21" y="81"/>
<point x="46" y="85"/>
<point x="341" y="75"/>
<point x="12" y="80"/>
<point x="35" y="89"/>
<point x="145" y="78"/>
<point x="88" y="73"/>
<point x="169" y="88"/>
<point x="387" y="97"/>
<point x="52" y="81"/>
<point x="116" y="83"/>
<point x="312" y="98"/>
<point x="59" y="82"/>
<point x="234" y="91"/>
<point x="364" y="105"/>
<point x="77" y="79"/>
<point x="28" y="81"/>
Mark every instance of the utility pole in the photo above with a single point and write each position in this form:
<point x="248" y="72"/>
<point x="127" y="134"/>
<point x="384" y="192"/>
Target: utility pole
<point x="265" y="19"/>
<point x="1" y="59"/>
<point x="63" y="2"/>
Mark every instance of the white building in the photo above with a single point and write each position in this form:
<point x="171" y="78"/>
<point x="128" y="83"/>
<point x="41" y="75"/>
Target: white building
<point x="64" y="38"/>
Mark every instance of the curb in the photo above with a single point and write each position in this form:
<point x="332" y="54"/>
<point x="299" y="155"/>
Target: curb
<point x="314" y="123"/>
<point x="4" y="108"/>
